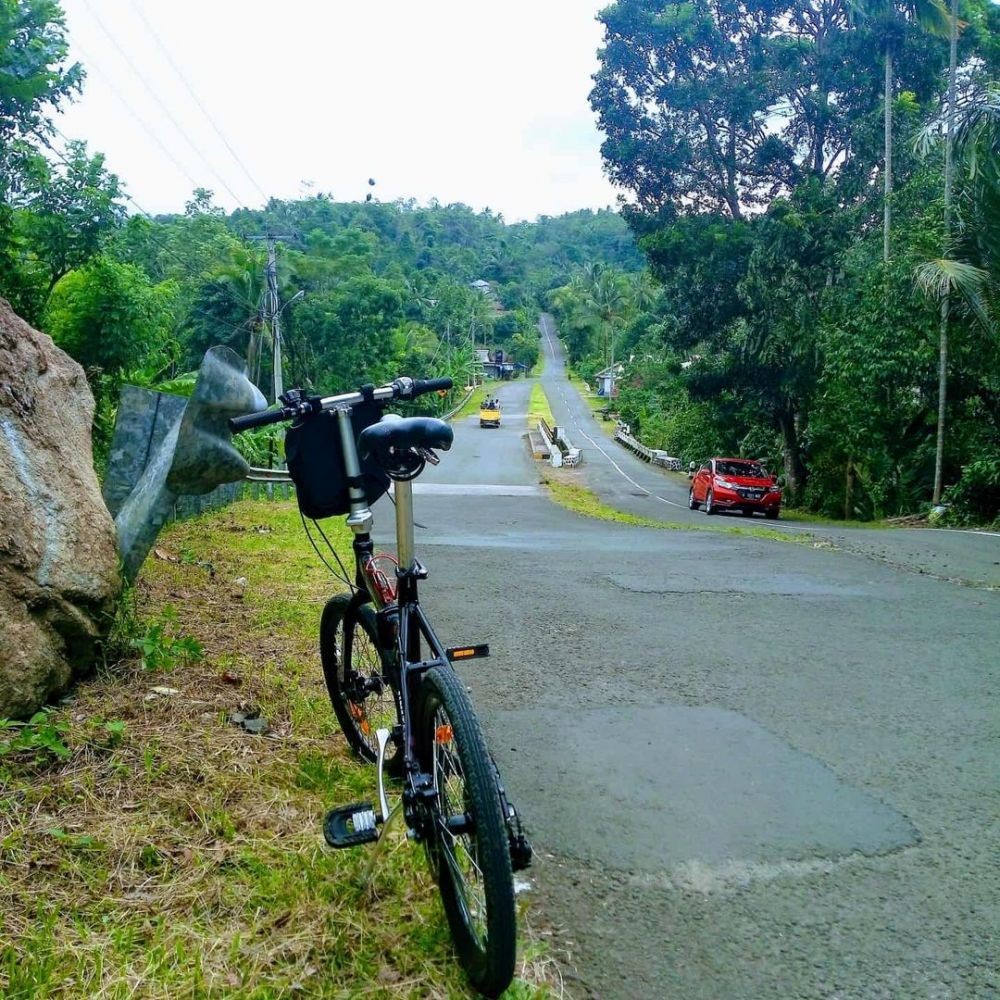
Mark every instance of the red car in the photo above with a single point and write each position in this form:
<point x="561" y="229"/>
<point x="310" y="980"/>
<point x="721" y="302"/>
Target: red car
<point x="735" y="484"/>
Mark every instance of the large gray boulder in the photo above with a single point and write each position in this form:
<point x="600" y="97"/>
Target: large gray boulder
<point x="59" y="570"/>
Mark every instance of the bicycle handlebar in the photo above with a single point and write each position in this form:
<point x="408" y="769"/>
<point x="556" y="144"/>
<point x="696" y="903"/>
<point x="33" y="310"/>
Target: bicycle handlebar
<point x="250" y="420"/>
<point x="300" y="405"/>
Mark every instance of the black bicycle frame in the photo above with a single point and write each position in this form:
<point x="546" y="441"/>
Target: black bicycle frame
<point x="402" y="625"/>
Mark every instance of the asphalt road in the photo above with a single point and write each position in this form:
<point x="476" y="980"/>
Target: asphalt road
<point x="750" y="769"/>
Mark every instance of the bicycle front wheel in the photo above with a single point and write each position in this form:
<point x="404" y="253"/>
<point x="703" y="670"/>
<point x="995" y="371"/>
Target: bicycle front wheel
<point x="357" y="674"/>
<point x="467" y="845"/>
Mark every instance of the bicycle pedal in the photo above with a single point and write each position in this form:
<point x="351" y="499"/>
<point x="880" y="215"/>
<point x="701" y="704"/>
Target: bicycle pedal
<point x="351" y="826"/>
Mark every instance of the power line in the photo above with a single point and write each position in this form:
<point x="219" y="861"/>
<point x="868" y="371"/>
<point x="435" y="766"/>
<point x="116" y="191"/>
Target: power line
<point x="165" y="248"/>
<point x="138" y="118"/>
<point x="156" y="97"/>
<point x="163" y="48"/>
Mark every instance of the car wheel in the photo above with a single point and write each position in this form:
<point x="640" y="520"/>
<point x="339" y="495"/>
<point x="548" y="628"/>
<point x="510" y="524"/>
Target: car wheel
<point x="772" y="515"/>
<point x="709" y="509"/>
<point x="692" y="503"/>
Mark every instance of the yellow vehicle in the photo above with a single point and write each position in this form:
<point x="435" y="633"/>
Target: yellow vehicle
<point x="489" y="413"/>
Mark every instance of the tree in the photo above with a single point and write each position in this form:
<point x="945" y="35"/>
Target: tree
<point x="33" y="82"/>
<point x="108" y="317"/>
<point x="946" y="299"/>
<point x="683" y="95"/>
<point x="350" y="331"/>
<point x="606" y="296"/>
<point x="33" y="78"/>
<point x="70" y="213"/>
<point x="893" y="20"/>
<point x="971" y="273"/>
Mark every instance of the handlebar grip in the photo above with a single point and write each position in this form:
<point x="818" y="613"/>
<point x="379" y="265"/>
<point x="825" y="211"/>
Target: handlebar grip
<point x="262" y="419"/>
<point x="423" y="385"/>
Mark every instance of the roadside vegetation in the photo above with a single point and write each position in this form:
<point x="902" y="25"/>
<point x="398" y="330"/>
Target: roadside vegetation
<point x="471" y="406"/>
<point x="153" y="844"/>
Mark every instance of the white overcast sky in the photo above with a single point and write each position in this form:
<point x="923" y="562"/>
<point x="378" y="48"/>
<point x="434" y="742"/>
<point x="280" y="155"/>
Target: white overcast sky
<point x="482" y="103"/>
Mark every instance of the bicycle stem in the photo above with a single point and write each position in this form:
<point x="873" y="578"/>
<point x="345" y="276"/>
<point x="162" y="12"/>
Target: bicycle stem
<point x="360" y="519"/>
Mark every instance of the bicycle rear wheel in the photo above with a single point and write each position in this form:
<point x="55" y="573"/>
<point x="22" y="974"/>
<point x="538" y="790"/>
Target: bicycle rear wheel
<point x="357" y="679"/>
<point x="468" y="844"/>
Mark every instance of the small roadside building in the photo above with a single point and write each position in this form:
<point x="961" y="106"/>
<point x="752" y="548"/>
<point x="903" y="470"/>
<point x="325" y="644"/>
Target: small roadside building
<point x="607" y="381"/>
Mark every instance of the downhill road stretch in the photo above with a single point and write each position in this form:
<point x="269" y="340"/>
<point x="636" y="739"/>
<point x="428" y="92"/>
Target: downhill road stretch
<point x="750" y="769"/>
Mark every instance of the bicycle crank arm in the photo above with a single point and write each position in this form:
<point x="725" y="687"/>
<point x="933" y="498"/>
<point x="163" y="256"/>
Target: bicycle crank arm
<point x="354" y="825"/>
<point x="383" y="736"/>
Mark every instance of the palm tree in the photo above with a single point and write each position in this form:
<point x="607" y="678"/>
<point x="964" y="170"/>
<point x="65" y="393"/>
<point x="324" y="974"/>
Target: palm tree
<point x="608" y="301"/>
<point x="890" y="17"/>
<point x="976" y="142"/>
<point x="946" y="299"/>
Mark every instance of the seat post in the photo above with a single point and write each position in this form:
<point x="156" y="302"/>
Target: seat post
<point x="404" y="523"/>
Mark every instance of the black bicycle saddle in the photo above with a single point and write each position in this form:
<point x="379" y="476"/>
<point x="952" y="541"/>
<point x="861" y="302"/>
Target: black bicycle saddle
<point x="404" y="432"/>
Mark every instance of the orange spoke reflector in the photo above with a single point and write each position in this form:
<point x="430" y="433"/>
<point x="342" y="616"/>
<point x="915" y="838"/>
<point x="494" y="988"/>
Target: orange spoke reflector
<point x="443" y="734"/>
<point x="357" y="712"/>
<point x="366" y="728"/>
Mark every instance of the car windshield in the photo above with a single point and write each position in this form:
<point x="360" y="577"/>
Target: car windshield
<point x="749" y="469"/>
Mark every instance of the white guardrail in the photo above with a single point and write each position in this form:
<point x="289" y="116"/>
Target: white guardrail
<point x="656" y="456"/>
<point x="560" y="448"/>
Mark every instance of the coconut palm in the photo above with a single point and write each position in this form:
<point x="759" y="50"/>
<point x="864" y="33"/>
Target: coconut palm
<point x="976" y="278"/>
<point x="608" y="301"/>
<point x="889" y="19"/>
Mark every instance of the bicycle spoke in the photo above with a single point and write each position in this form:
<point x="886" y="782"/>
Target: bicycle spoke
<point x="459" y="849"/>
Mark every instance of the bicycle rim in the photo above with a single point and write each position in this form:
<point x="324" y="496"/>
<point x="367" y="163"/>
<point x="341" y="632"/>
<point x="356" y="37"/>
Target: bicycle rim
<point x="357" y="679"/>
<point x="472" y="864"/>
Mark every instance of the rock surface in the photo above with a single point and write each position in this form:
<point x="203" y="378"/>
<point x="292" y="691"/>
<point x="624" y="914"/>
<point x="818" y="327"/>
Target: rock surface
<point x="58" y="556"/>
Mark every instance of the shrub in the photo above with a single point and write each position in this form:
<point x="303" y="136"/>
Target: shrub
<point x="975" y="498"/>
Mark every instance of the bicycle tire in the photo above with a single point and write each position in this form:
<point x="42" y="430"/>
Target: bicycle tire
<point x="357" y="678"/>
<point x="473" y="868"/>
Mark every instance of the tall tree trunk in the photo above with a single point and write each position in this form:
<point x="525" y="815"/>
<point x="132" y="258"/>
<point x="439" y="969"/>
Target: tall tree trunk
<point x="946" y="301"/>
<point x="887" y="178"/>
<point x="795" y="469"/>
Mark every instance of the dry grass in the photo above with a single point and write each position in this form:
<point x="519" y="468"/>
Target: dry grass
<point x="181" y="856"/>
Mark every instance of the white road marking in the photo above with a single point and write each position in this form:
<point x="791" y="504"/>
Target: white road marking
<point x="475" y="490"/>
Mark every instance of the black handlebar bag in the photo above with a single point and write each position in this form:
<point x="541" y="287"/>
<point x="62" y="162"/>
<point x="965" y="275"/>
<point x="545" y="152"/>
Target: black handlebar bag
<point x="316" y="463"/>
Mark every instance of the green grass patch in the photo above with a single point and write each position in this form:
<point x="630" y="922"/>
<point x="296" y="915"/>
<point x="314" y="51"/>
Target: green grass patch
<point x="538" y="406"/>
<point x="168" y="853"/>
<point x="580" y="500"/>
<point x="471" y="407"/>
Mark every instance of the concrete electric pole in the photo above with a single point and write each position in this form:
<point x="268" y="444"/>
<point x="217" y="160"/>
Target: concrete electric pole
<point x="270" y="312"/>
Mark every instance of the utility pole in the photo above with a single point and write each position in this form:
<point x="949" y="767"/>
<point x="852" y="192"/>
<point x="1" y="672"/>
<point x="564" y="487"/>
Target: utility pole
<point x="273" y="313"/>
<point x="270" y="312"/>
